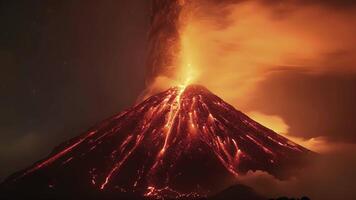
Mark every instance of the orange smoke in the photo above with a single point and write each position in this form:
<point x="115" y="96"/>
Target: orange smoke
<point x="229" y="47"/>
<point x="277" y="124"/>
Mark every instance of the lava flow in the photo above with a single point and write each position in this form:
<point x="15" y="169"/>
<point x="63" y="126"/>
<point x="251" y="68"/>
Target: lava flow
<point x="184" y="142"/>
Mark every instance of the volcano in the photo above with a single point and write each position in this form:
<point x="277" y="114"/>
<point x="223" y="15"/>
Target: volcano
<point x="185" y="142"/>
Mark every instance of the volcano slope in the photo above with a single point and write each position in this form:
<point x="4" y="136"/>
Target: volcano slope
<point x="182" y="143"/>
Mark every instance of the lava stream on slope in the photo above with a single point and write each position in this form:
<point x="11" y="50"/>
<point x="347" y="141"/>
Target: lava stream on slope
<point x="184" y="142"/>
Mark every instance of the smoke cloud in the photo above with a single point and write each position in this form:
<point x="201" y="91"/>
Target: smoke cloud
<point x="330" y="177"/>
<point x="237" y="48"/>
<point x="234" y="46"/>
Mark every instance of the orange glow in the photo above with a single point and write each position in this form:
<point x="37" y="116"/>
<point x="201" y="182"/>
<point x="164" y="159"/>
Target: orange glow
<point x="273" y="122"/>
<point x="277" y="124"/>
<point x="229" y="48"/>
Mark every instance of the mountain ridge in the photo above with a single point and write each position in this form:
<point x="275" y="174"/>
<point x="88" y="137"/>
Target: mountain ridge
<point x="183" y="142"/>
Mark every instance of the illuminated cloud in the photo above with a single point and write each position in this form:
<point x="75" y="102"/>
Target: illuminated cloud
<point x="277" y="124"/>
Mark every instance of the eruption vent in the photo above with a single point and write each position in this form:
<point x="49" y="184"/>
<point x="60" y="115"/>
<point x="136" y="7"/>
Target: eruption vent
<point x="184" y="142"/>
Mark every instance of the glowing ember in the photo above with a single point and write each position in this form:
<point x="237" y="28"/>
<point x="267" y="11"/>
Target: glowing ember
<point x="184" y="142"/>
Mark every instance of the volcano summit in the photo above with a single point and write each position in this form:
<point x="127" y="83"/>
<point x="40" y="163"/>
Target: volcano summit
<point x="184" y="142"/>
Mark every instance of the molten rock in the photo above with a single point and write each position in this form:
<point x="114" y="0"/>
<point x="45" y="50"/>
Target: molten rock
<point x="184" y="142"/>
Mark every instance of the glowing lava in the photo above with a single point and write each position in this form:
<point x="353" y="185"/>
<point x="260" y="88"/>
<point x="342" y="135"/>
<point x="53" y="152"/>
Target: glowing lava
<point x="184" y="142"/>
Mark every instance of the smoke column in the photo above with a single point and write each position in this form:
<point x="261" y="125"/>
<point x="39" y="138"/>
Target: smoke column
<point x="164" y="38"/>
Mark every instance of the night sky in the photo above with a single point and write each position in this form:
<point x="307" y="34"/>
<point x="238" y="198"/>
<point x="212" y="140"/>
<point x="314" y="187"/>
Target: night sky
<point x="66" y="65"/>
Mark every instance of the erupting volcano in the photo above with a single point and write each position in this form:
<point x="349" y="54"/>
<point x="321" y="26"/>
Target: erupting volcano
<point x="183" y="142"/>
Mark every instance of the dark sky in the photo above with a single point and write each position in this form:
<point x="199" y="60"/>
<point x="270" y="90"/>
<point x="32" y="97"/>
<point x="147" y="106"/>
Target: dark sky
<point x="65" y="65"/>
